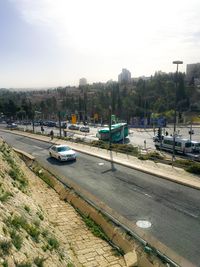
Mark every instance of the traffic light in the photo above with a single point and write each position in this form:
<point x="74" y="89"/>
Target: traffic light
<point x="159" y="133"/>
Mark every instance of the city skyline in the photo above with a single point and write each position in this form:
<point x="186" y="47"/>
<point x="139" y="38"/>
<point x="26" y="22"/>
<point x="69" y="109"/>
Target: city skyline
<point x="47" y="43"/>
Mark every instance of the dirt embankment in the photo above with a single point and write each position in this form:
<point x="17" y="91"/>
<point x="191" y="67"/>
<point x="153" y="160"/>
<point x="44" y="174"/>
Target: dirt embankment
<point x="37" y="228"/>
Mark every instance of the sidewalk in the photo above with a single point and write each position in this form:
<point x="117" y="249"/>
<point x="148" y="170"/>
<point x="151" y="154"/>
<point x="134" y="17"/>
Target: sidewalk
<point x="164" y="171"/>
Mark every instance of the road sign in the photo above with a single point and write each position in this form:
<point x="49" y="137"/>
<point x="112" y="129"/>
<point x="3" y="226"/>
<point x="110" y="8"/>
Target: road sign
<point x="73" y="118"/>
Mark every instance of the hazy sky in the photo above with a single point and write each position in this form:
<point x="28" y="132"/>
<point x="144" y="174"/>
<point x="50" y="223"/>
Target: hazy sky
<point x="57" y="42"/>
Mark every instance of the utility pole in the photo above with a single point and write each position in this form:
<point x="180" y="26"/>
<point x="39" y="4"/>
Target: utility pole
<point x="177" y="62"/>
<point x="110" y="123"/>
<point x="33" y="120"/>
<point x="59" y="121"/>
<point x="191" y="131"/>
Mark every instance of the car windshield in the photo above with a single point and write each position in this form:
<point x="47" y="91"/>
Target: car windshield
<point x="63" y="148"/>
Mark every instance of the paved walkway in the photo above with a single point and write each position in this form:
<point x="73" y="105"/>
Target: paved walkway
<point x="164" y="171"/>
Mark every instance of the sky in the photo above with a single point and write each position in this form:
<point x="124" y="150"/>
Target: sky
<point x="51" y="43"/>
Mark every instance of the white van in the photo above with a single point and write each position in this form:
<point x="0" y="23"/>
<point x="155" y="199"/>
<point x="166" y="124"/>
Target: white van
<point x="195" y="146"/>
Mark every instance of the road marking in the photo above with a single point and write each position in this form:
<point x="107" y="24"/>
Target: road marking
<point x="147" y="195"/>
<point x="38" y="147"/>
<point x="101" y="163"/>
<point x="143" y="224"/>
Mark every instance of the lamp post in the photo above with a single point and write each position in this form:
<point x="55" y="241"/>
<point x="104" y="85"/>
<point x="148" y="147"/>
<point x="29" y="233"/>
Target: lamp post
<point x="110" y="123"/>
<point x="176" y="62"/>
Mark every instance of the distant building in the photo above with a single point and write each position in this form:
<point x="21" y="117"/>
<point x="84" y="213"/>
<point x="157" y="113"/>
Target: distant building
<point x="82" y="81"/>
<point x="124" y="76"/>
<point x="193" y="73"/>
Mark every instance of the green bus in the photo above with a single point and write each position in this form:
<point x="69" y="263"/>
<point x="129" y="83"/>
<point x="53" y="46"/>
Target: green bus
<point x="118" y="132"/>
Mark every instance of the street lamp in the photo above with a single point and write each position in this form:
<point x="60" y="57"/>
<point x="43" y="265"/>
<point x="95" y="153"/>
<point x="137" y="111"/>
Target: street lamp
<point x="176" y="62"/>
<point x="110" y="124"/>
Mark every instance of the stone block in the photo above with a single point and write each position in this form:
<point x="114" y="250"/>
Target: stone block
<point x="122" y="242"/>
<point x="131" y="259"/>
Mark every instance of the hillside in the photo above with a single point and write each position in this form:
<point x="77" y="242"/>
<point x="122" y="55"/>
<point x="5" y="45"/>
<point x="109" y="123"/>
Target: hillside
<point x="37" y="228"/>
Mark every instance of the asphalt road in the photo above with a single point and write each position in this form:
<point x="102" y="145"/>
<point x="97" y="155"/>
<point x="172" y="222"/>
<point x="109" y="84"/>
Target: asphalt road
<point x="136" y="136"/>
<point x="172" y="209"/>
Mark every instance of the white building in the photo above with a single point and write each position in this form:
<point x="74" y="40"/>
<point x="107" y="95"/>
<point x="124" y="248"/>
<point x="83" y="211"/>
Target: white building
<point x="124" y="76"/>
<point x="82" y="81"/>
<point x="193" y="72"/>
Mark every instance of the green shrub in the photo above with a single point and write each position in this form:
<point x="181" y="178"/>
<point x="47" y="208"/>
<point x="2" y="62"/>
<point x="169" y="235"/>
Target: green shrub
<point x="5" y="247"/>
<point x="151" y="156"/>
<point x="17" y="240"/>
<point x="14" y="174"/>
<point x="45" y="233"/>
<point x="40" y="215"/>
<point x="34" y="232"/>
<point x="4" y="196"/>
<point x="23" y="264"/>
<point x="39" y="261"/>
<point x="27" y="208"/>
<point x="5" y="263"/>
<point x="36" y="222"/>
<point x="17" y="175"/>
<point x="194" y="168"/>
<point x="17" y="222"/>
<point x="183" y="162"/>
<point x="9" y="159"/>
<point x="94" y="228"/>
<point x="53" y="243"/>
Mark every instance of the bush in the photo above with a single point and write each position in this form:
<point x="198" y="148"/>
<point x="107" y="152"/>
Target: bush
<point x="16" y="175"/>
<point x="17" y="240"/>
<point x="39" y="261"/>
<point x="13" y="174"/>
<point x="5" y="247"/>
<point x="23" y="264"/>
<point x="5" y="263"/>
<point x="17" y="222"/>
<point x="193" y="168"/>
<point x="183" y="162"/>
<point x="33" y="231"/>
<point x="151" y="156"/>
<point x="53" y="243"/>
<point x="40" y="215"/>
<point x="45" y="233"/>
<point x="27" y="208"/>
<point x="4" y="196"/>
<point x="94" y="228"/>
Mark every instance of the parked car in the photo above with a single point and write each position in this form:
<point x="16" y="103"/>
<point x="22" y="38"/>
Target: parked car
<point x="63" y="124"/>
<point x="62" y="152"/>
<point x="12" y="126"/>
<point x="26" y="122"/>
<point x="85" y="129"/>
<point x="73" y="127"/>
<point x="156" y="138"/>
<point x="51" y="124"/>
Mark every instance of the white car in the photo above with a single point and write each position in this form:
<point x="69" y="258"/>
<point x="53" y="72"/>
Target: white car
<point x="62" y="153"/>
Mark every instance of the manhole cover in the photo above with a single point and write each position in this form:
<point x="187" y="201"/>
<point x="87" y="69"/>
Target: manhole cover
<point x="143" y="224"/>
<point x="100" y="163"/>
